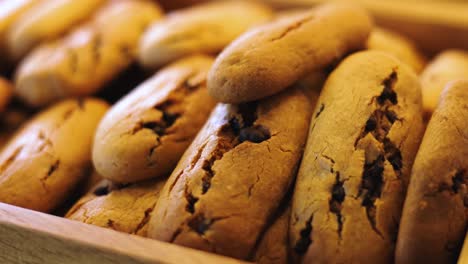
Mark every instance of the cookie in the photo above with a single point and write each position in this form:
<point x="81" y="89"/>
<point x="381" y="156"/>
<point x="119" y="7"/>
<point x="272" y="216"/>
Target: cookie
<point x="144" y="134"/>
<point x="397" y="45"/>
<point x="206" y="28"/>
<point x="49" y="156"/>
<point x="11" y="120"/>
<point x="448" y="66"/>
<point x="11" y="10"/>
<point x="45" y="21"/>
<point x="271" y="57"/>
<point x="124" y="208"/>
<point x="6" y="92"/>
<point x="273" y="247"/>
<point x="86" y="59"/>
<point x="352" y="180"/>
<point x="234" y="175"/>
<point x="435" y="214"/>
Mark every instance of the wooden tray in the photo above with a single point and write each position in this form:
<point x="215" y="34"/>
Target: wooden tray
<point x="31" y="237"/>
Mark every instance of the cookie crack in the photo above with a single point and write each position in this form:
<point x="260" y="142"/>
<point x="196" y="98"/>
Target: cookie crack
<point x="293" y="28"/>
<point x="338" y="195"/>
<point x="144" y="221"/>
<point x="7" y="163"/>
<point x="305" y="239"/>
<point x="379" y="125"/>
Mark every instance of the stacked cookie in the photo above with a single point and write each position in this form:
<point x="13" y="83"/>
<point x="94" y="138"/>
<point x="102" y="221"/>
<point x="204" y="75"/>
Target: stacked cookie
<point x="274" y="138"/>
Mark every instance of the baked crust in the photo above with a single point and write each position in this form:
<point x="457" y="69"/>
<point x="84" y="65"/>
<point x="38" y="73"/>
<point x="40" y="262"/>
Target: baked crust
<point x="449" y="65"/>
<point x="46" y="20"/>
<point x="144" y="135"/>
<point x="88" y="57"/>
<point x="234" y="175"/>
<point x="271" y="57"/>
<point x="353" y="176"/>
<point x="205" y="28"/>
<point x="124" y="208"/>
<point x="397" y="45"/>
<point x="50" y="155"/>
<point x="435" y="215"/>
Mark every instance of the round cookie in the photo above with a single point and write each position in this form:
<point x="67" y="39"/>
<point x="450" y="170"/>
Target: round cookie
<point x="448" y="66"/>
<point x="206" y="28"/>
<point x="144" y="135"/>
<point x="234" y="175"/>
<point x="122" y="208"/>
<point x="49" y="156"/>
<point x="45" y="21"/>
<point x="397" y="45"/>
<point x="87" y="58"/>
<point x="435" y="215"/>
<point x="352" y="179"/>
<point x="271" y="57"/>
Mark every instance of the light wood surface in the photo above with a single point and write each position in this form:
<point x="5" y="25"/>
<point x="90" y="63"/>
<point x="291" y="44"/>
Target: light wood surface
<point x="29" y="237"/>
<point x="463" y="259"/>
<point x="434" y="25"/>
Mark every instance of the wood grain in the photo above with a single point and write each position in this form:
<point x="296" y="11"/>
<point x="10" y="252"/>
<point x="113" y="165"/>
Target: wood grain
<point x="434" y="25"/>
<point x="29" y="237"/>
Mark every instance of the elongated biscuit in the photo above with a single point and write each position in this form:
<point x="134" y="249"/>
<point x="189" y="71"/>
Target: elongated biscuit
<point x="6" y="92"/>
<point x="83" y="61"/>
<point x="273" y="247"/>
<point x="122" y="208"/>
<point x="448" y="66"/>
<point x="9" y="13"/>
<point x="352" y="181"/>
<point x="397" y="45"/>
<point x="49" y="156"/>
<point x="45" y="21"/>
<point x="435" y="215"/>
<point x="205" y="28"/>
<point x="269" y="58"/>
<point x="234" y="175"/>
<point x="144" y="135"/>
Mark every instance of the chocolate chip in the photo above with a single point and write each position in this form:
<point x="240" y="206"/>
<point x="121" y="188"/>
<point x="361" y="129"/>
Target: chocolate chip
<point x="255" y="134"/>
<point x="371" y="123"/>
<point x="200" y="224"/>
<point x="101" y="191"/>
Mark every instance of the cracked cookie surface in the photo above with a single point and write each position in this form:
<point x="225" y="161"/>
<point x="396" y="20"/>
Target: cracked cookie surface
<point x="87" y="58"/>
<point x="144" y="135"/>
<point x="233" y="176"/>
<point x="49" y="156"/>
<point x="124" y="208"/>
<point x="205" y="28"/>
<point x="435" y="214"/>
<point x="271" y="57"/>
<point x="353" y="176"/>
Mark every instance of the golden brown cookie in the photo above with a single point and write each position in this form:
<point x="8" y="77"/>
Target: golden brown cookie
<point x="397" y="45"/>
<point x="45" y="21"/>
<point x="435" y="216"/>
<point x="144" y="134"/>
<point x="234" y="175"/>
<point x="273" y="247"/>
<point x="124" y="208"/>
<point x="271" y="57"/>
<point x="206" y="28"/>
<point x="353" y="176"/>
<point x="448" y="66"/>
<point x="49" y="156"/>
<point x="10" y="11"/>
<point x="83" y="61"/>
<point x="6" y="92"/>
